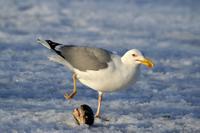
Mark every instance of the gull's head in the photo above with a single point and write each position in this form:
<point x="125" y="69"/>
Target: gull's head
<point x="135" y="57"/>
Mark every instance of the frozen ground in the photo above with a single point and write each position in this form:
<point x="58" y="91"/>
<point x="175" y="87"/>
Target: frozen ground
<point x="164" y="100"/>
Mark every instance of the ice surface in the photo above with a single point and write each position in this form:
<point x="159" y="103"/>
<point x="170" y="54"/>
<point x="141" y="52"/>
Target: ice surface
<point x="165" y="99"/>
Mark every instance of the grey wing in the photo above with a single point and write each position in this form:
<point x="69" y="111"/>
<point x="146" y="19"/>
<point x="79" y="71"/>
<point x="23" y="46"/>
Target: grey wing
<point x="85" y="58"/>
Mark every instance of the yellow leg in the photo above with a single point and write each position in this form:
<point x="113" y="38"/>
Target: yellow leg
<point x="99" y="105"/>
<point x="71" y="95"/>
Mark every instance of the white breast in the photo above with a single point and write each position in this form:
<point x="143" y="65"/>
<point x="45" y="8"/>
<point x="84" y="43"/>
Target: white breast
<point x="117" y="76"/>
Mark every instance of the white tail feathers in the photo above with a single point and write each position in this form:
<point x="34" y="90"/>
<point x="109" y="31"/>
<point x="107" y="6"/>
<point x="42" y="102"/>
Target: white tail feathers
<point x="44" y="43"/>
<point x="59" y="59"/>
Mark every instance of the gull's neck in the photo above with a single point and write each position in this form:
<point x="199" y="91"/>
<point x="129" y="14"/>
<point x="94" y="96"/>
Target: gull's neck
<point x="129" y="65"/>
<point x="129" y="71"/>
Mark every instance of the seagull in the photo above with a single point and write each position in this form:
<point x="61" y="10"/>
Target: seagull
<point x="97" y="68"/>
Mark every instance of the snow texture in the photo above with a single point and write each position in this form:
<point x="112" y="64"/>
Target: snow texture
<point x="164" y="100"/>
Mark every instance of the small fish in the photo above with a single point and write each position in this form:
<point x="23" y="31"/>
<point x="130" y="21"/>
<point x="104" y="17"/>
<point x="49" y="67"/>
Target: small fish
<point x="83" y="115"/>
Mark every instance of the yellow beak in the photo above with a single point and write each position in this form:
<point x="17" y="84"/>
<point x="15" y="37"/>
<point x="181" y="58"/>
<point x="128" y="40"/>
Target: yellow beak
<point x="147" y="62"/>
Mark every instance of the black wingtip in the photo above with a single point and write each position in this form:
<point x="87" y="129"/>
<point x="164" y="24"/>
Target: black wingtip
<point x="52" y="44"/>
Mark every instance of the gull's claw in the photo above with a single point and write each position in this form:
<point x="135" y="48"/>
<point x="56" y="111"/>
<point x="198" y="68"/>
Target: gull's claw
<point x="101" y="118"/>
<point x="68" y="97"/>
<point x="97" y="116"/>
<point x="71" y="95"/>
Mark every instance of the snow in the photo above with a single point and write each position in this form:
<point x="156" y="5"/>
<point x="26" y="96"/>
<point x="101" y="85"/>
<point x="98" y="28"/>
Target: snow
<point x="165" y="99"/>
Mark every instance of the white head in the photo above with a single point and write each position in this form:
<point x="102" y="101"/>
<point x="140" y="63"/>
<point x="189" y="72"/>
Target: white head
<point x="135" y="57"/>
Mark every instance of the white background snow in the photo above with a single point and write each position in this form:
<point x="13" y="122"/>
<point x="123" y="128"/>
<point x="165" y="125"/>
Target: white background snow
<point x="164" y="100"/>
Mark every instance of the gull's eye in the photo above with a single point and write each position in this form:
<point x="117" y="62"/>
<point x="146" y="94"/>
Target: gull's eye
<point x="134" y="55"/>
